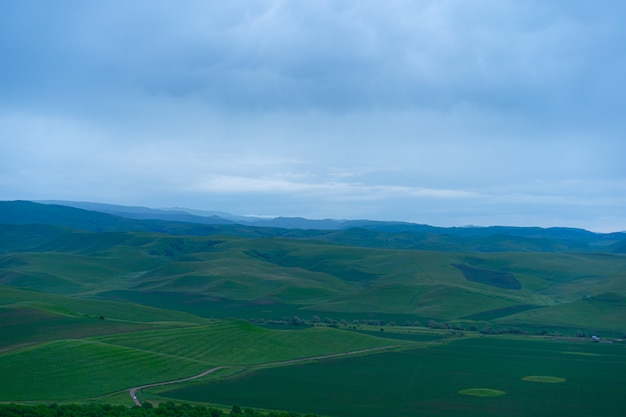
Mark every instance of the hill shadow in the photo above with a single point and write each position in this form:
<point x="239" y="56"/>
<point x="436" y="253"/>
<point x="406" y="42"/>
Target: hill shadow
<point x="490" y="277"/>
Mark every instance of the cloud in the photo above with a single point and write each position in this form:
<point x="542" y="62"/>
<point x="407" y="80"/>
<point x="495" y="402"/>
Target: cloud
<point x="447" y="111"/>
<point x="323" y="55"/>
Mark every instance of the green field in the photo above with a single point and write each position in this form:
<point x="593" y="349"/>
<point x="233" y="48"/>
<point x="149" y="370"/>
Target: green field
<point x="240" y="343"/>
<point x="70" y="370"/>
<point x="92" y="367"/>
<point x="426" y="382"/>
<point x="378" y="319"/>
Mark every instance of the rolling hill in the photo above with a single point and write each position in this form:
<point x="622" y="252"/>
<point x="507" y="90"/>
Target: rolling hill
<point x="245" y="271"/>
<point x="93" y="303"/>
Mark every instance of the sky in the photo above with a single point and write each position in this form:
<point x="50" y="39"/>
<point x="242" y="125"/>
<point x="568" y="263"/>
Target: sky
<point x="440" y="112"/>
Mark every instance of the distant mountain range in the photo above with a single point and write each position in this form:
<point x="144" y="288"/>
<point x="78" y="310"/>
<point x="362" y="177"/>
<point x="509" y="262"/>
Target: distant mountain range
<point x="201" y="216"/>
<point x="98" y="217"/>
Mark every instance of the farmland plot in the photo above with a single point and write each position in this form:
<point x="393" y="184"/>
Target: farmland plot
<point x="441" y="380"/>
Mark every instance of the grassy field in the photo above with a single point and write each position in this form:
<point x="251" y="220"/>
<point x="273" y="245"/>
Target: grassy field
<point x="69" y="370"/>
<point x="304" y="275"/>
<point x="86" y="315"/>
<point x="605" y="312"/>
<point x="97" y="366"/>
<point x="240" y="343"/>
<point x="11" y="298"/>
<point x="19" y="326"/>
<point x="427" y="382"/>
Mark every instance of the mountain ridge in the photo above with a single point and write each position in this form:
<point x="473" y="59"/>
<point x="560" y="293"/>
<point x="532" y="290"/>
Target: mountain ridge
<point x="367" y="233"/>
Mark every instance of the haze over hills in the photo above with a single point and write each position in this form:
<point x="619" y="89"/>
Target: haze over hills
<point x="202" y="216"/>
<point x="567" y="278"/>
<point x="217" y="217"/>
<point x="372" y="233"/>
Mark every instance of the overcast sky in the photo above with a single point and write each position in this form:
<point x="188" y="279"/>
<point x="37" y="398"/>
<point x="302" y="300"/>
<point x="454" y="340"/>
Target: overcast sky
<point x="445" y="112"/>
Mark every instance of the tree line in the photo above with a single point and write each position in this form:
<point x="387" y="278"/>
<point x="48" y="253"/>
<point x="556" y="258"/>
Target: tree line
<point x="456" y="327"/>
<point x="168" y="409"/>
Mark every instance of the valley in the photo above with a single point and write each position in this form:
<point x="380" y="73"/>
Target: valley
<point x="93" y="304"/>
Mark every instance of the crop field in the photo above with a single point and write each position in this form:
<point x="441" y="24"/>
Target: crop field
<point x="240" y="343"/>
<point x="470" y="377"/>
<point x="68" y="370"/>
<point x="98" y="366"/>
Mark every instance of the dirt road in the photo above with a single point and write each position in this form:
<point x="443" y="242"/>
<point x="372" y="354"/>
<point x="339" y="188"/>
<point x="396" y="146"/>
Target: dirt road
<point x="133" y="391"/>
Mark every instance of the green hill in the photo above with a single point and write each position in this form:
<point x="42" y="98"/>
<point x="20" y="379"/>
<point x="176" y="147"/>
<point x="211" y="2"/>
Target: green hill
<point x="297" y="276"/>
<point x="103" y="303"/>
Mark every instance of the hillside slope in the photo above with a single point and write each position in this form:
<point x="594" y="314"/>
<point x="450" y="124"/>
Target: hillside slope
<point x="243" y="271"/>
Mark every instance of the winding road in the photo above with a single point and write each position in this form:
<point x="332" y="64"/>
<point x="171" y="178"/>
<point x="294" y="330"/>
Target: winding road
<point x="133" y="391"/>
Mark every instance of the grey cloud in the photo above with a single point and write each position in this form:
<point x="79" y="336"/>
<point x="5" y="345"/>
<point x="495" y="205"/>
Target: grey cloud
<point x="342" y="56"/>
<point x="320" y="108"/>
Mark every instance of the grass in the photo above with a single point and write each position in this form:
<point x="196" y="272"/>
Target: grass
<point x="544" y="379"/>
<point x="68" y="370"/>
<point x="482" y="392"/>
<point x="19" y="326"/>
<point x="71" y="273"/>
<point x="592" y="314"/>
<point x="437" y="300"/>
<point x="240" y="343"/>
<point x="413" y="336"/>
<point x="204" y="305"/>
<point x="315" y="276"/>
<point x="75" y="306"/>
<point x="488" y="277"/>
<point x="501" y="312"/>
<point x="427" y="382"/>
<point x="156" y="291"/>
<point x="65" y="370"/>
<point x="582" y="353"/>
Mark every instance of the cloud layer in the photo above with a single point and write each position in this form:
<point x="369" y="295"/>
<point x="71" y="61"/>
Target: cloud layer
<point x="442" y="112"/>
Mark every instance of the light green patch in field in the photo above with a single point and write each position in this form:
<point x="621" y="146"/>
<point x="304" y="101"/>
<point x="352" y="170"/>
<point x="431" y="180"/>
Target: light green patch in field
<point x="583" y="353"/>
<point x="544" y="378"/>
<point x="482" y="392"/>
